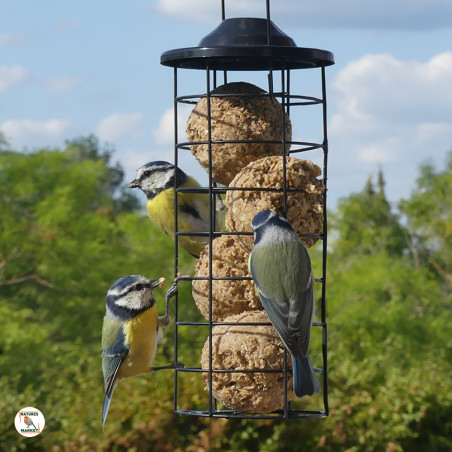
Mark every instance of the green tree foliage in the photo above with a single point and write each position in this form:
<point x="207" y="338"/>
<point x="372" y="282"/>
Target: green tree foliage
<point x="88" y="148"/>
<point x="366" y="224"/>
<point x="65" y="236"/>
<point x="63" y="242"/>
<point x="3" y="142"/>
<point x="429" y="213"/>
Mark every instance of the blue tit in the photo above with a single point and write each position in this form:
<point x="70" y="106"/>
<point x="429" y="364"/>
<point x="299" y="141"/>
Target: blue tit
<point x="156" y="180"/>
<point x="130" y="332"/>
<point x="281" y="269"/>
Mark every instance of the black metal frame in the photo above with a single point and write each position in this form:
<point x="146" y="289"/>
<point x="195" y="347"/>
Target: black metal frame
<point x="283" y="60"/>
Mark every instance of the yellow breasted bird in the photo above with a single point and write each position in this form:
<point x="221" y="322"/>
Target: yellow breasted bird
<point x="131" y="331"/>
<point x="156" y="180"/>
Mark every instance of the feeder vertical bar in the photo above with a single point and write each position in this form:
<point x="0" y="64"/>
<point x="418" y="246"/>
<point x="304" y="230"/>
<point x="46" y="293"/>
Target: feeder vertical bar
<point x="284" y="162"/>
<point x="209" y="141"/>
<point x="325" y="245"/>
<point x="285" y="103"/>
<point x="213" y="218"/>
<point x="283" y="125"/>
<point x="267" y="9"/>
<point x="270" y="83"/>
<point x="176" y="250"/>
<point x="223" y="17"/>
<point x="288" y="94"/>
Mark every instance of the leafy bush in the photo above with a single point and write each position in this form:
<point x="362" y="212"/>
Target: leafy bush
<point x="68" y="231"/>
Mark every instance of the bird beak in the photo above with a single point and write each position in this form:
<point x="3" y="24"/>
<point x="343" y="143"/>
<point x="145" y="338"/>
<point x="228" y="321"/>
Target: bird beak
<point x="134" y="184"/>
<point x="157" y="282"/>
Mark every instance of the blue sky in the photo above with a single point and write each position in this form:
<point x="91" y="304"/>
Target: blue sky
<point x="75" y="68"/>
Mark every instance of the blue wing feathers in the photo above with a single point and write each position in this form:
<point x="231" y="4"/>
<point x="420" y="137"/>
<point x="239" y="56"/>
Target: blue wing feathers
<point x="112" y="358"/>
<point x="110" y="387"/>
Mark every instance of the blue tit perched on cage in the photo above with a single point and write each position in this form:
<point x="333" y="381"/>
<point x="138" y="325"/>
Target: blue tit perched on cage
<point x="130" y="332"/>
<point x="157" y="180"/>
<point x="281" y="269"/>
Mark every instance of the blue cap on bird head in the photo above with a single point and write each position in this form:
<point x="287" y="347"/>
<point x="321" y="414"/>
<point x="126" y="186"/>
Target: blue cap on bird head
<point x="269" y="217"/>
<point x="262" y="218"/>
<point x="161" y="166"/>
<point x="273" y="226"/>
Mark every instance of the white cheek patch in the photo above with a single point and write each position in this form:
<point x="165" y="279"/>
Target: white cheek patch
<point x="157" y="180"/>
<point x="135" y="300"/>
<point x="161" y="179"/>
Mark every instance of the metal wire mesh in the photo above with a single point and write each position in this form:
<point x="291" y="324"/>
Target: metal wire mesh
<point x="213" y="409"/>
<point x="209" y="407"/>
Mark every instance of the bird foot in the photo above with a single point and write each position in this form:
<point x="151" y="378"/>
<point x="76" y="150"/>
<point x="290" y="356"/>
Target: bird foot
<point x="164" y="320"/>
<point x="172" y="292"/>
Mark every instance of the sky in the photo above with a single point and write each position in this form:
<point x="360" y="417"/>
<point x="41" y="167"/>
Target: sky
<point x="70" y="69"/>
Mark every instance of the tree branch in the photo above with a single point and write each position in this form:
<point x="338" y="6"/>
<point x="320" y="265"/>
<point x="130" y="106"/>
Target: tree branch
<point x="22" y="279"/>
<point x="443" y="273"/>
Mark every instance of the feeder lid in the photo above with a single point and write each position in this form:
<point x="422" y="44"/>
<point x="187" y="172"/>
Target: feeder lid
<point x="243" y="43"/>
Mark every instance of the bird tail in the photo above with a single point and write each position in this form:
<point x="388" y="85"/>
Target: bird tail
<point x="305" y="381"/>
<point x="107" y="401"/>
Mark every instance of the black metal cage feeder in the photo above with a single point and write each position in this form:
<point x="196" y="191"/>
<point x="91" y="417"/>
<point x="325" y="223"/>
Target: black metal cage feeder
<point x="249" y="44"/>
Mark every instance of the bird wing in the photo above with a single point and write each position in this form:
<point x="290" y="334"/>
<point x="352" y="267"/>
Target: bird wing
<point x="301" y="301"/>
<point x="300" y="318"/>
<point x="283" y="277"/>
<point x="114" y="352"/>
<point x="279" y="321"/>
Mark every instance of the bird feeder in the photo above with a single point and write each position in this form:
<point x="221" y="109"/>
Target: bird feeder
<point x="269" y="166"/>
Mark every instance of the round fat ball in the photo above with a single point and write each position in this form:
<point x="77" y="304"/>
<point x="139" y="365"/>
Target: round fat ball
<point x="229" y="297"/>
<point x="304" y="206"/>
<point x="249" y="114"/>
<point x="251" y="347"/>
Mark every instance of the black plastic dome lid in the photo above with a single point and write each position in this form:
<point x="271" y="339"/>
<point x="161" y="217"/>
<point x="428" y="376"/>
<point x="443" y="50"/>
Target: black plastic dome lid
<point x="245" y="31"/>
<point x="246" y="44"/>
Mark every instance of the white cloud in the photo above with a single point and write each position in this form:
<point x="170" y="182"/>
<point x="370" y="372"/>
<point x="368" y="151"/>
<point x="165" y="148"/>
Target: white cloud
<point x="390" y="112"/>
<point x="119" y="125"/>
<point x="8" y="39"/>
<point x="64" y="84"/>
<point x="392" y="92"/>
<point x="384" y="14"/>
<point x="427" y="132"/>
<point x="11" y="75"/>
<point x="402" y="90"/>
<point x="190" y="11"/>
<point x="375" y="154"/>
<point x="164" y="134"/>
<point x="30" y="133"/>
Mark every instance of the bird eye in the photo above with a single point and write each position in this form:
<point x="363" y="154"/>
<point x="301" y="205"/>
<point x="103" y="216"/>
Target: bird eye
<point x="139" y="287"/>
<point x="146" y="173"/>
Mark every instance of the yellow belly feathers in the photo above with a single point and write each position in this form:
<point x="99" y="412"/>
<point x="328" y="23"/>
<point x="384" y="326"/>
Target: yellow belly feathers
<point x="161" y="212"/>
<point x="141" y="336"/>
